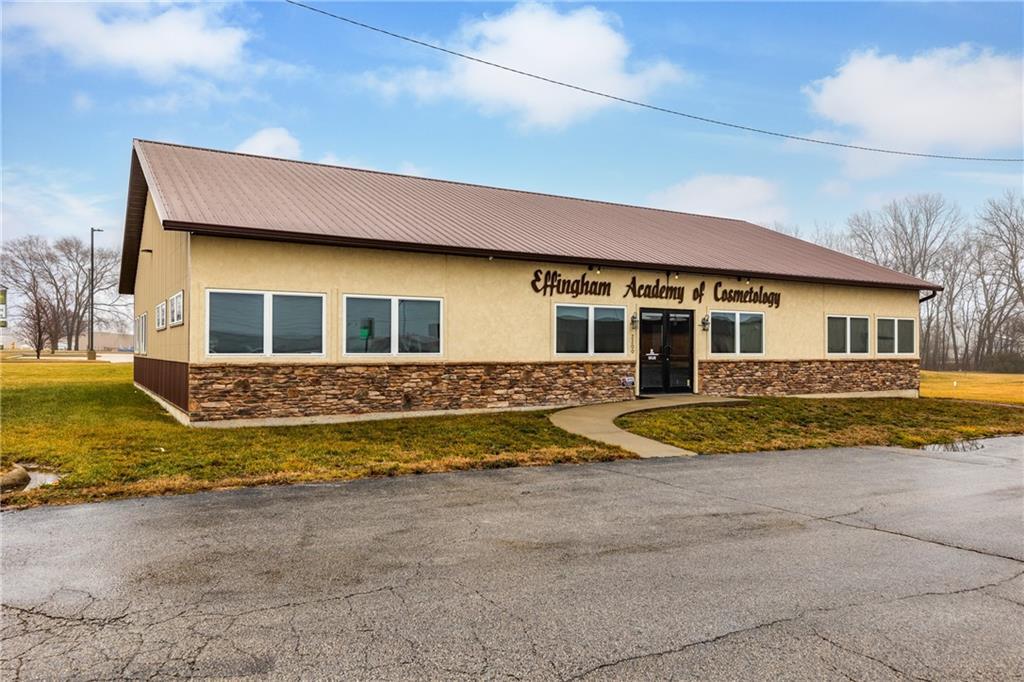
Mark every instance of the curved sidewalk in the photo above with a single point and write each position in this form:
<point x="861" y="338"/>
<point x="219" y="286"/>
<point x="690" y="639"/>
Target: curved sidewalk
<point x="597" y="422"/>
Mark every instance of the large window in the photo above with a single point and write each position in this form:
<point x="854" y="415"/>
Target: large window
<point x="589" y="329"/>
<point x="370" y="325"/>
<point x="737" y="332"/>
<point x="160" y="315"/>
<point x="895" y="335"/>
<point x="141" y="334"/>
<point x="847" y="334"/>
<point x="264" y="323"/>
<point x="176" y="309"/>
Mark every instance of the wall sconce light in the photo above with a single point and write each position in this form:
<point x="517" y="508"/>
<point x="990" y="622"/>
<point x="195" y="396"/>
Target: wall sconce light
<point x="677" y="275"/>
<point x="634" y="321"/>
<point x="598" y="271"/>
<point x="705" y="323"/>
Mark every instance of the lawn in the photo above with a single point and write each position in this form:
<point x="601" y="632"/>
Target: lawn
<point x="1000" y="388"/>
<point x="109" y="440"/>
<point x="793" y="423"/>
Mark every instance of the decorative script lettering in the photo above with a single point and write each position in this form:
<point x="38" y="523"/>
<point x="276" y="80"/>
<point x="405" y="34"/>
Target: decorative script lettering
<point x="655" y="290"/>
<point x="772" y="299"/>
<point x="551" y="282"/>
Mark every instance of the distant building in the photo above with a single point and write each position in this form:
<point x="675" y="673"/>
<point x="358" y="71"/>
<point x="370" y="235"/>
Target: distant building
<point x="107" y="341"/>
<point x="283" y="290"/>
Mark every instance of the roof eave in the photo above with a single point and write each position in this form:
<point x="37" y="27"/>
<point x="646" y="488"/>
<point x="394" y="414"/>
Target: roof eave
<point x="134" y="215"/>
<point x="238" y="232"/>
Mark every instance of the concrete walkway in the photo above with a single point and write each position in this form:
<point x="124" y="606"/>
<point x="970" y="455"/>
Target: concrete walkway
<point x="597" y="422"/>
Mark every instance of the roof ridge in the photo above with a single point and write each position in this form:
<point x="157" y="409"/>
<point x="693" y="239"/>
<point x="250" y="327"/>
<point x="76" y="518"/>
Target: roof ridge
<point x="452" y="182"/>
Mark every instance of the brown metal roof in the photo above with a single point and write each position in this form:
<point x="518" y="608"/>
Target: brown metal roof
<point x="207" y="191"/>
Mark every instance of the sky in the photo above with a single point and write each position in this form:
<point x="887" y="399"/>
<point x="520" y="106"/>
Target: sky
<point x="80" y="81"/>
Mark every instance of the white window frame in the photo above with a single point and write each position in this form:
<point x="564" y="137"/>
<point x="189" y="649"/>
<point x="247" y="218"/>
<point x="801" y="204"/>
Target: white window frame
<point x="268" y="324"/>
<point x="180" y="297"/>
<point x="395" y="331"/>
<point x="590" y="331"/>
<point x="896" y="335"/>
<point x="736" y="338"/>
<point x="141" y="334"/>
<point x="849" y="333"/>
<point x="160" y="316"/>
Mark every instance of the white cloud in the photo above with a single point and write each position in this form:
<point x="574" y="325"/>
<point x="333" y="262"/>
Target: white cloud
<point x="52" y="204"/>
<point x="156" y="42"/>
<point x="835" y="188"/>
<point x="410" y="168"/>
<point x="272" y="142"/>
<point x="730" y="196"/>
<point x="960" y="100"/>
<point x="580" y="46"/>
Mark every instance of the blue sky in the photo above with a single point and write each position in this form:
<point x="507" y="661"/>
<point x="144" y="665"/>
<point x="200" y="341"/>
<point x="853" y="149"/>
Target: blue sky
<point x="79" y="82"/>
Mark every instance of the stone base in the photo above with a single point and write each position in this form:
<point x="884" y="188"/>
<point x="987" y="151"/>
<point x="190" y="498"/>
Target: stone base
<point x="807" y="377"/>
<point x="262" y="391"/>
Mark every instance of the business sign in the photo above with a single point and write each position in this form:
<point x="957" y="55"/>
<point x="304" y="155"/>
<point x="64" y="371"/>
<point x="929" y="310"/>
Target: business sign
<point x="553" y="283"/>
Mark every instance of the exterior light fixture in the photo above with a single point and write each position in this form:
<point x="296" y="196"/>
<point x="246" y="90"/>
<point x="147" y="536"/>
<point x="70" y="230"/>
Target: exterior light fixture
<point x="705" y="323"/>
<point x="598" y="269"/>
<point x="677" y="275"/>
<point x="634" y="321"/>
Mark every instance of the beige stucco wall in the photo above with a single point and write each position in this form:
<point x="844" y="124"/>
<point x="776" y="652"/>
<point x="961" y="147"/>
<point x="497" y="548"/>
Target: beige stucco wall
<point x="161" y="274"/>
<point x="490" y="311"/>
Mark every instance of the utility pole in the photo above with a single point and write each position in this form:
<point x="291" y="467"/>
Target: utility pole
<point x="91" y="355"/>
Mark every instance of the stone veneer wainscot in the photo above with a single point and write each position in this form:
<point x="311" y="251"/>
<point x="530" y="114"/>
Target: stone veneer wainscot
<point x="218" y="392"/>
<point x="804" y="377"/>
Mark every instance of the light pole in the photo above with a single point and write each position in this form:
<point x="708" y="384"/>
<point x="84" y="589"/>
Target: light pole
<point x="91" y="354"/>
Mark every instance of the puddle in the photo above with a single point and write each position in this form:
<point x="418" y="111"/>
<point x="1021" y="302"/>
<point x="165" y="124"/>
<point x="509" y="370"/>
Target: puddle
<point x="37" y="478"/>
<point x="957" y="446"/>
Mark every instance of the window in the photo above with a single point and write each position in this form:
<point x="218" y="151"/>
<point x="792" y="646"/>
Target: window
<point x="886" y="329"/>
<point x="141" y="333"/>
<point x="905" y="336"/>
<point x="369" y="326"/>
<point x="176" y="309"/>
<point x="609" y="330"/>
<point x="258" y="323"/>
<point x="160" y="315"/>
<point x="737" y="332"/>
<point x="572" y="323"/>
<point x="847" y="335"/>
<point x="895" y="335"/>
<point x="589" y="329"/>
<point x="298" y="324"/>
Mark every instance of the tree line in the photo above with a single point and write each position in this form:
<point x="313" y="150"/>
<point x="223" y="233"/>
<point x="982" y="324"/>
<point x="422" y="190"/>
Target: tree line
<point x="49" y="290"/>
<point x="977" y="321"/>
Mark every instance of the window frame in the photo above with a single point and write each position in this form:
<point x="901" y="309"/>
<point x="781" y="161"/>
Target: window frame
<point x="161" y="307"/>
<point x="590" y="352"/>
<point x="849" y="335"/>
<point x="171" y="322"/>
<point x="268" y="323"/>
<point x="142" y="334"/>
<point x="395" y="330"/>
<point x="896" y="335"/>
<point x="738" y="353"/>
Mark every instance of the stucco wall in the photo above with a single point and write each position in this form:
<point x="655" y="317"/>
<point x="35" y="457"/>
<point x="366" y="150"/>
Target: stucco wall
<point x="490" y="311"/>
<point x="161" y="274"/>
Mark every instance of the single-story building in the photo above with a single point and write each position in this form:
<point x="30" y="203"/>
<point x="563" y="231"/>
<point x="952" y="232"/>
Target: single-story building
<point x="281" y="291"/>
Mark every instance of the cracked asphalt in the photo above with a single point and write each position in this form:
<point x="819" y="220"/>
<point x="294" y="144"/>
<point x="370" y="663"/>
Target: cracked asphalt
<point x="857" y="564"/>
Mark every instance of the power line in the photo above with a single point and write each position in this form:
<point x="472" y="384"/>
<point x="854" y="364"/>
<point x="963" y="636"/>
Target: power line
<point x="645" y="105"/>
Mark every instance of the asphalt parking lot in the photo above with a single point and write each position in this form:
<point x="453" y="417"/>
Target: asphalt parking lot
<point x="863" y="563"/>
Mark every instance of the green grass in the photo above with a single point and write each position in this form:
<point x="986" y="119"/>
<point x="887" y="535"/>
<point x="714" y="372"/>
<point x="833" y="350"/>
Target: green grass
<point x="109" y="440"/>
<point x="794" y="423"/>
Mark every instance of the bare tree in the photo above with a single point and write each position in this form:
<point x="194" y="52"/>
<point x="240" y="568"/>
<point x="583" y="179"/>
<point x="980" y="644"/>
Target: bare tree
<point x="1002" y="221"/>
<point x="59" y="273"/>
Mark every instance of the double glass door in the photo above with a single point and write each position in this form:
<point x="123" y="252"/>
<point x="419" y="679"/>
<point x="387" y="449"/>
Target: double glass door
<point x="666" y="351"/>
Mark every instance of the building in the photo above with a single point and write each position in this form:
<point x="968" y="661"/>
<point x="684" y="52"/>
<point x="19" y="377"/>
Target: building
<point x="104" y="341"/>
<point x="285" y="291"/>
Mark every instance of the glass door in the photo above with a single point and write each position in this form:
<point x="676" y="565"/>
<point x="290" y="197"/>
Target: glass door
<point x="666" y="351"/>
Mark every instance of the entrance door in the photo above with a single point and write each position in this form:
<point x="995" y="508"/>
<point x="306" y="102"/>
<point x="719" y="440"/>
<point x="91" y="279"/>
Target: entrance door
<point x="666" y="351"/>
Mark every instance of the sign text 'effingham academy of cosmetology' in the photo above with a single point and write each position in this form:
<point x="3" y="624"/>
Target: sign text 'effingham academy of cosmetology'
<point x="551" y="282"/>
